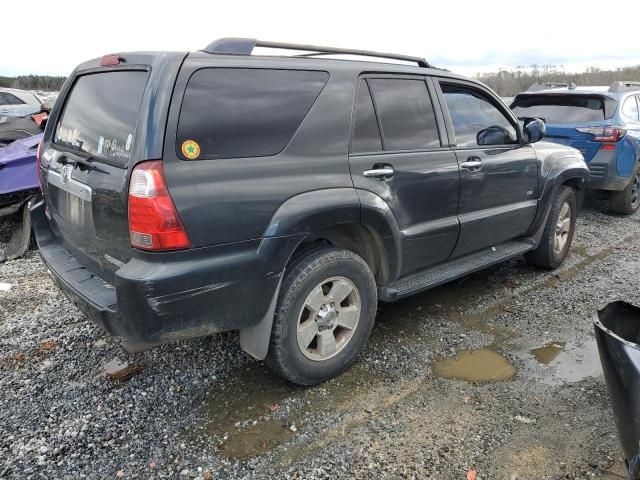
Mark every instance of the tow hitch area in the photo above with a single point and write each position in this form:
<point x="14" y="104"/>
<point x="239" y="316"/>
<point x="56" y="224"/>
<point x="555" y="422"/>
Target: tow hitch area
<point x="617" y="328"/>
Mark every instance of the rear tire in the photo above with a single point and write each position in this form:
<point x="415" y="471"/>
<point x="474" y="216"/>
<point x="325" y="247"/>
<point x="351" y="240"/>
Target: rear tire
<point x="558" y="231"/>
<point x="326" y="309"/>
<point x="628" y="200"/>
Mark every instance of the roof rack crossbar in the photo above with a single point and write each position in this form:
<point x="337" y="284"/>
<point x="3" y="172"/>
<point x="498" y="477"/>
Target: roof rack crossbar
<point x="244" y="46"/>
<point x="622" y="86"/>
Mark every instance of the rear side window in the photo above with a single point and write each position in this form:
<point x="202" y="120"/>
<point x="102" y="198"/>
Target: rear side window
<point x="476" y="120"/>
<point x="560" y="109"/>
<point x="406" y="114"/>
<point x="366" y="134"/>
<point x="9" y="99"/>
<point x="101" y="114"/>
<point x="630" y="108"/>
<point x="241" y="112"/>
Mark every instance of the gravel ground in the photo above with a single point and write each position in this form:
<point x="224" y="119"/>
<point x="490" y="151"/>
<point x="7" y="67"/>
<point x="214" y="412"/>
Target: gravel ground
<point x="203" y="409"/>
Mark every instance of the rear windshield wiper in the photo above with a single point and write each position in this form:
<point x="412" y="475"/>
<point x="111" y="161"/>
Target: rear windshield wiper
<point x="84" y="161"/>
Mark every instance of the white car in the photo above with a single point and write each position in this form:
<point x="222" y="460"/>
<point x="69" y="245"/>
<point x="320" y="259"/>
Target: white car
<point x="18" y="103"/>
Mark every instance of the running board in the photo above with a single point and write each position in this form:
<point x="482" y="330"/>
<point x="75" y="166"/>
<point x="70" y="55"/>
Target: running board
<point x="457" y="268"/>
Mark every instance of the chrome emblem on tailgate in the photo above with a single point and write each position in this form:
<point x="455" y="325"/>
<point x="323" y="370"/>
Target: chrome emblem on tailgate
<point x="66" y="182"/>
<point x="65" y="174"/>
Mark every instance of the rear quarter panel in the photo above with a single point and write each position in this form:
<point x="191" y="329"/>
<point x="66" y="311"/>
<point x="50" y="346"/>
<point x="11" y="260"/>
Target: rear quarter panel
<point x="229" y="200"/>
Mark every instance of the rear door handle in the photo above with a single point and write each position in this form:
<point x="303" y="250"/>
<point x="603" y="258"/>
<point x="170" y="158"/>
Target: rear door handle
<point x="380" y="172"/>
<point x="472" y="163"/>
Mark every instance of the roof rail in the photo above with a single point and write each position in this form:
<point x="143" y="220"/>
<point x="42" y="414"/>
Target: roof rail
<point x="244" y="46"/>
<point x="536" y="87"/>
<point x="622" y="86"/>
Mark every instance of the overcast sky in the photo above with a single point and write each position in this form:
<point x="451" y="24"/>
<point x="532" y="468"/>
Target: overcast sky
<point x="52" y="37"/>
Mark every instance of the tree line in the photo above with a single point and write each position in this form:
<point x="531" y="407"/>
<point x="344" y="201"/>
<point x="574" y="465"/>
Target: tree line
<point x="33" y="82"/>
<point x="507" y="83"/>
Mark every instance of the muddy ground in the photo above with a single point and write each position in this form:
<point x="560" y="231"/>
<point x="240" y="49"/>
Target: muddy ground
<point x="527" y="399"/>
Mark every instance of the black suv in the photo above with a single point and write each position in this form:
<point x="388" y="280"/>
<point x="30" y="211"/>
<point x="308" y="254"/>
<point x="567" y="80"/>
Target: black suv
<point x="192" y="193"/>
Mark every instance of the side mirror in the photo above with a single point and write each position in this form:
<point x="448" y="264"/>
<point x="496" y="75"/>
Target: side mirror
<point x="494" y="135"/>
<point x="534" y="130"/>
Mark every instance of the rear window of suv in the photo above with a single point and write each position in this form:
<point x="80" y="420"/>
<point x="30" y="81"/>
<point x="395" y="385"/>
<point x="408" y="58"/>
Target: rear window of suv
<point x="243" y="112"/>
<point x="562" y="109"/>
<point x="101" y="114"/>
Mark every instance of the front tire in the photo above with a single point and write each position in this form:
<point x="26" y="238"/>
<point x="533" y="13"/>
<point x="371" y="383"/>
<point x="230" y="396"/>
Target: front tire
<point x="326" y="309"/>
<point x="558" y="232"/>
<point x="628" y="200"/>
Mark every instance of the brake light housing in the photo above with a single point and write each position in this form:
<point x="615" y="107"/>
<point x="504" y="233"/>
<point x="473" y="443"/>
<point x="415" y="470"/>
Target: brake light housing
<point x="154" y="224"/>
<point x="110" y="60"/>
<point x="606" y="134"/>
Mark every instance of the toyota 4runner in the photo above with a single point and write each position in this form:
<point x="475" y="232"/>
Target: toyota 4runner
<point x="282" y="196"/>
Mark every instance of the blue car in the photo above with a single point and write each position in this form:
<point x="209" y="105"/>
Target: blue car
<point x="603" y="123"/>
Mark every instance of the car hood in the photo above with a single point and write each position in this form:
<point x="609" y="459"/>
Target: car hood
<point x="20" y="111"/>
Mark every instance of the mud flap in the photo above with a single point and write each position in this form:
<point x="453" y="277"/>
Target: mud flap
<point x="20" y="234"/>
<point x="255" y="340"/>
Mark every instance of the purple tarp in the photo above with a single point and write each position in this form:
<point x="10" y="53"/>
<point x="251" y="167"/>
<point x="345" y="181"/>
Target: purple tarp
<point x="18" y="165"/>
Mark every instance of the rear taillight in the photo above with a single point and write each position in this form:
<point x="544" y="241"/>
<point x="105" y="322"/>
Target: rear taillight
<point x="604" y="134"/>
<point x="154" y="223"/>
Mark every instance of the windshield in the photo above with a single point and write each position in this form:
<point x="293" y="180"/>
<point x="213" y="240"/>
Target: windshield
<point x="560" y="109"/>
<point x="101" y="114"/>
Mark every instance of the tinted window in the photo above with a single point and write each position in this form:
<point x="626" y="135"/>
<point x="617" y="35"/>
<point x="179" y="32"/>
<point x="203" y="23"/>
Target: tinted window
<point x="13" y="100"/>
<point x="366" y="134"/>
<point x="560" y="109"/>
<point x="9" y="99"/>
<point x="406" y="114"/>
<point x="476" y="121"/>
<point x="101" y="114"/>
<point x="234" y="112"/>
<point x="630" y="108"/>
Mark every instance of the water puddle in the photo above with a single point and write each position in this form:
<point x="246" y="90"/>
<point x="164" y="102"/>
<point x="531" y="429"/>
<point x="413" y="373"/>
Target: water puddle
<point x="256" y="440"/>
<point x="568" y="362"/>
<point x="475" y="366"/>
<point x="258" y="410"/>
<point x="548" y="353"/>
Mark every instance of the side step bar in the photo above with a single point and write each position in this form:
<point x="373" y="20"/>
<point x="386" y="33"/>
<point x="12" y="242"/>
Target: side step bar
<point x="457" y="268"/>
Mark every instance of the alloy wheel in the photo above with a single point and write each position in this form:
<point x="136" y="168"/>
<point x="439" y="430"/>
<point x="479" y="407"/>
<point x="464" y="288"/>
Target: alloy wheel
<point x="563" y="228"/>
<point x="328" y="318"/>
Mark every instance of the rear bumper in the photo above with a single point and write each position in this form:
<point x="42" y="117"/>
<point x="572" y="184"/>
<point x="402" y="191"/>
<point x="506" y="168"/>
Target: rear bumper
<point x="158" y="298"/>
<point x="93" y="296"/>
<point x="604" y="172"/>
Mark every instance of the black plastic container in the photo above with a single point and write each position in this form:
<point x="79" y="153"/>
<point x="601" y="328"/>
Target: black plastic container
<point x="617" y="329"/>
